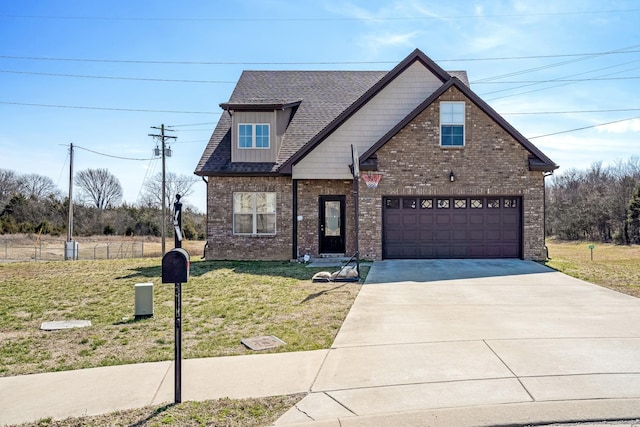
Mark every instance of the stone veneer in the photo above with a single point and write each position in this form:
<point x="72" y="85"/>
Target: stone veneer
<point x="412" y="163"/>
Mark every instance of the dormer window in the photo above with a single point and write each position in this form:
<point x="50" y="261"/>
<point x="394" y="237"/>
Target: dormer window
<point x="252" y="135"/>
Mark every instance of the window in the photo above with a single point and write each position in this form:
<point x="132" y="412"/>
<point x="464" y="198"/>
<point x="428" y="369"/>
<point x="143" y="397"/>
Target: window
<point x="392" y="203"/>
<point x="426" y="204"/>
<point x="254" y="213"/>
<point x="510" y="203"/>
<point x="443" y="204"/>
<point x="452" y="124"/>
<point x="253" y="135"/>
<point x="408" y="203"/>
<point x="460" y="203"/>
<point x="476" y="203"/>
<point x="493" y="203"/>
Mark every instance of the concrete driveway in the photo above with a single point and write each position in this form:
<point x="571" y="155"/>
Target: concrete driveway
<point x="478" y="342"/>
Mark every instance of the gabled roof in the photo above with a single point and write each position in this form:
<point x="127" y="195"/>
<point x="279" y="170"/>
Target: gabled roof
<point x="322" y="102"/>
<point x="538" y="160"/>
<point x="416" y="55"/>
<point x="320" y="96"/>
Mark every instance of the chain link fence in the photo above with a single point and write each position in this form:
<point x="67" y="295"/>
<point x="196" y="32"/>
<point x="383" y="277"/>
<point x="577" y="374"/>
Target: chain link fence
<point x="36" y="249"/>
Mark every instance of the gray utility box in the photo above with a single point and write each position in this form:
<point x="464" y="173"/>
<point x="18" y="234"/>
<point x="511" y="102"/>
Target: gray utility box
<point x="144" y="300"/>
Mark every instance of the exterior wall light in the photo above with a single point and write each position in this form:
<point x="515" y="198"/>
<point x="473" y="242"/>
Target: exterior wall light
<point x="452" y="176"/>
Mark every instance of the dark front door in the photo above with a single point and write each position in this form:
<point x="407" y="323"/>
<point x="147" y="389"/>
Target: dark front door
<point x="332" y="224"/>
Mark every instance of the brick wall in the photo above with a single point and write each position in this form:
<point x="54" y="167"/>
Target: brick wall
<point x="308" y="207"/>
<point x="223" y="244"/>
<point x="491" y="163"/>
<point x="412" y="163"/>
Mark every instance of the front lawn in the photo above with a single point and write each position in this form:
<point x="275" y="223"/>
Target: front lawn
<point x="613" y="266"/>
<point x="223" y="302"/>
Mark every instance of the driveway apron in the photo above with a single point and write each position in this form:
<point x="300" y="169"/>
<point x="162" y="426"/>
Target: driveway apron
<point x="447" y="335"/>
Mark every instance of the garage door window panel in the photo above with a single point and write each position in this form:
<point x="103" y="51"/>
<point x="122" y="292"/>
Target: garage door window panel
<point x="460" y="204"/>
<point x="426" y="203"/>
<point x="392" y="203"/>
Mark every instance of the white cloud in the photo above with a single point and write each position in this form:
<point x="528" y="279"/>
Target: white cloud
<point x="632" y="125"/>
<point x="389" y="39"/>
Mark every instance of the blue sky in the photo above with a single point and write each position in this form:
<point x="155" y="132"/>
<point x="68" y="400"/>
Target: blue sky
<point x="137" y="64"/>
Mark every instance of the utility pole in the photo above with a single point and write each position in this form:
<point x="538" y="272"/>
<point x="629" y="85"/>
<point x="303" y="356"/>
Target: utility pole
<point x="70" y="224"/>
<point x="70" y="249"/>
<point x="166" y="152"/>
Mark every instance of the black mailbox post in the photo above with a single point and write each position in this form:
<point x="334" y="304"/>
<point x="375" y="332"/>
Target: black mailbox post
<point x="175" y="269"/>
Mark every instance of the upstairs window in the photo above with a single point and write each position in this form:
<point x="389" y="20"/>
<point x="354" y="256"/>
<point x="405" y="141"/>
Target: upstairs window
<point x="452" y="124"/>
<point x="253" y="135"/>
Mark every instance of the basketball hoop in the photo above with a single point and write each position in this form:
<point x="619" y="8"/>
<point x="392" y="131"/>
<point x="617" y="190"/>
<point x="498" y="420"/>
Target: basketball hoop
<point x="371" y="179"/>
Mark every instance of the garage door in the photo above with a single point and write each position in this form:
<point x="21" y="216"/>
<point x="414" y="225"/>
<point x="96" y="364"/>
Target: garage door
<point x="452" y="227"/>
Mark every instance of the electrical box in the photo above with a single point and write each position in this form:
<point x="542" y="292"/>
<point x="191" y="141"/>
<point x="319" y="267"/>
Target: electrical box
<point x="175" y="266"/>
<point x="144" y="300"/>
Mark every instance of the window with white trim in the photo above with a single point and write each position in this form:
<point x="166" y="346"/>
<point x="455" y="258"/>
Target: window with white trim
<point x="452" y="124"/>
<point x="252" y="135"/>
<point x="254" y="213"/>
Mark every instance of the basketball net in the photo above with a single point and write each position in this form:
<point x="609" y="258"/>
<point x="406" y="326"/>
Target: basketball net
<point x="371" y="179"/>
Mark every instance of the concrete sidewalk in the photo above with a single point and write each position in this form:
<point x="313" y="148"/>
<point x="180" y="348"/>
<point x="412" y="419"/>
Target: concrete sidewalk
<point x="441" y="343"/>
<point x="101" y="390"/>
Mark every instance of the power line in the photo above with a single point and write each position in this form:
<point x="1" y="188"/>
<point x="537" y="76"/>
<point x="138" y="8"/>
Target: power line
<point x="191" y="124"/>
<point x="300" y="19"/>
<point x="594" y="79"/>
<point x="116" y="78"/>
<point x="558" y="85"/>
<point x="585" y="127"/>
<point x="557" y="64"/>
<point x="140" y="61"/>
<point x="569" y="112"/>
<point x="79" y="107"/>
<point x="110" y="155"/>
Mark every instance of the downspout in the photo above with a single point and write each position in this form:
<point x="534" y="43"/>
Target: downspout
<point x="544" y="214"/>
<point x="206" y="237"/>
<point x="294" y="218"/>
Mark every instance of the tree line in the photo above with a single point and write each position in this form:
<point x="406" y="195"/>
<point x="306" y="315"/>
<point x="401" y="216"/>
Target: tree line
<point x="31" y="203"/>
<point x="600" y="203"/>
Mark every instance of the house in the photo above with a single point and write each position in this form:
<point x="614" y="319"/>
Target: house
<point x="455" y="179"/>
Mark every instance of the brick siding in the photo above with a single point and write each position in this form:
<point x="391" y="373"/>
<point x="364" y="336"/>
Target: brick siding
<point x="491" y="163"/>
<point x="223" y="244"/>
<point x="412" y="163"/>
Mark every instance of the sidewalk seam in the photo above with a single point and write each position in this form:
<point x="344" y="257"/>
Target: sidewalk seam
<point x="164" y="377"/>
<point x="315" y="377"/>
<point x="533" y="399"/>
<point x="339" y="403"/>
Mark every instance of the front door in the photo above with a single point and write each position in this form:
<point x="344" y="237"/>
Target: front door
<point x="332" y="231"/>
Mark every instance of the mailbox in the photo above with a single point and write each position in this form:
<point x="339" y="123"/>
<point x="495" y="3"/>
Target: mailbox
<point x="175" y="266"/>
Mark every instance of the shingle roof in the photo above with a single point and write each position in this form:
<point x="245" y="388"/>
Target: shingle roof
<point x="323" y="100"/>
<point x="323" y="95"/>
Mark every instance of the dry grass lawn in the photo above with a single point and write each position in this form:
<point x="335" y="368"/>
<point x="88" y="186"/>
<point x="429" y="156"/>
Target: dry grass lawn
<point x="222" y="412"/>
<point x="223" y="302"/>
<point x="614" y="266"/>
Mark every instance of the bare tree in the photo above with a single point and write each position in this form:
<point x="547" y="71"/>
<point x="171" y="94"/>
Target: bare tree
<point x="9" y="184"/>
<point x="99" y="187"/>
<point x="34" y="186"/>
<point x="176" y="184"/>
